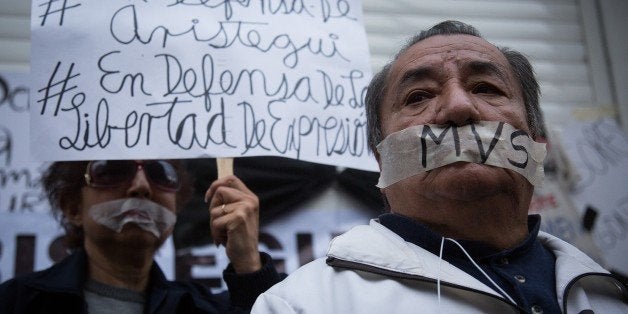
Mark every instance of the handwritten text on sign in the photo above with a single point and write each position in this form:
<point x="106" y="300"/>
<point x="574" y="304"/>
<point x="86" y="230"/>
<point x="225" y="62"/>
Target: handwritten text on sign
<point x="185" y="78"/>
<point x="598" y="150"/>
<point x="20" y="190"/>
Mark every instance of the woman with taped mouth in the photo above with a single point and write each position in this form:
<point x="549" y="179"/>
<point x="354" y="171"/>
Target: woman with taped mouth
<point x="116" y="214"/>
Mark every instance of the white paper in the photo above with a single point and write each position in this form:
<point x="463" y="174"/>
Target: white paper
<point x="182" y="79"/>
<point x="598" y="151"/>
<point x="560" y="218"/>
<point x="20" y="190"/>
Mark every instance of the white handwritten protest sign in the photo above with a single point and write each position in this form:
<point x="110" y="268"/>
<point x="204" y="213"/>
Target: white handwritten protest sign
<point x="560" y="218"/>
<point x="20" y="191"/>
<point x="598" y="151"/>
<point x="187" y="78"/>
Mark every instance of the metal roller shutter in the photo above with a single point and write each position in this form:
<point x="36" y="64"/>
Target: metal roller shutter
<point x="550" y="33"/>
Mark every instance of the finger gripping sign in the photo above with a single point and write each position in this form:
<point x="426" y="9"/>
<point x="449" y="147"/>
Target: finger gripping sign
<point x="188" y="78"/>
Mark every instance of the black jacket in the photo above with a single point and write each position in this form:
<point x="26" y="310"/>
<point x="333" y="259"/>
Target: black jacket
<point x="59" y="289"/>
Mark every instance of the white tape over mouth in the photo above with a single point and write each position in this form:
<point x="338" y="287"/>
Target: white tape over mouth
<point x="421" y="148"/>
<point x="144" y="213"/>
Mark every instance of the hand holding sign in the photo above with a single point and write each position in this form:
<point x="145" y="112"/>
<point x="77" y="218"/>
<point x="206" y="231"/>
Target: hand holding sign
<point x="234" y="215"/>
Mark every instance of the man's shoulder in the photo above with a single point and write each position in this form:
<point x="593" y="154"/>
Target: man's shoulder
<point x="368" y="241"/>
<point x="318" y="271"/>
<point x="361" y="245"/>
<point x="302" y="285"/>
<point x="310" y="272"/>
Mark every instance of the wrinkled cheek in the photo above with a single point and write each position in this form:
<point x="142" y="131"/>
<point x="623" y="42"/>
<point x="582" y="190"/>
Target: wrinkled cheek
<point x="408" y="186"/>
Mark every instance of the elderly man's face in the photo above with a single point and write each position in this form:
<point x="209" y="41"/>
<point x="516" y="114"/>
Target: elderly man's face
<point x="454" y="79"/>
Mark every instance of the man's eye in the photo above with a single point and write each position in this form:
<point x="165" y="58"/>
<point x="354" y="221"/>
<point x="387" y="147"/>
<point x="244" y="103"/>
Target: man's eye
<point x="485" y="88"/>
<point x="417" y="97"/>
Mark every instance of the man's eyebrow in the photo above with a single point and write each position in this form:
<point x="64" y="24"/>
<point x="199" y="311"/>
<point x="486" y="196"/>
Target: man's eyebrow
<point x="415" y="75"/>
<point x="483" y="67"/>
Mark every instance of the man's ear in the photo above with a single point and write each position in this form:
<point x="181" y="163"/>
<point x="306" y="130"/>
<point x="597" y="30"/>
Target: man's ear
<point x="382" y="190"/>
<point x="379" y="163"/>
<point x="377" y="157"/>
<point x="540" y="139"/>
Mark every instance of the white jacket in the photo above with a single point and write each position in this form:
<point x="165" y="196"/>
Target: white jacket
<point x="376" y="271"/>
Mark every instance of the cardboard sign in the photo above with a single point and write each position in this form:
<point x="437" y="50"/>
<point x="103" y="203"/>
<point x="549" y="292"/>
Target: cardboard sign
<point x="188" y="78"/>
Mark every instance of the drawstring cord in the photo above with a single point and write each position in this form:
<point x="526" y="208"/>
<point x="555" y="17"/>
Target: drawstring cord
<point x="442" y="242"/>
<point x="440" y="260"/>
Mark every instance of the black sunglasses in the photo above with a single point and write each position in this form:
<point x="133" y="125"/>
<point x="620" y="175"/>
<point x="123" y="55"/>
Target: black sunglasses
<point x="111" y="173"/>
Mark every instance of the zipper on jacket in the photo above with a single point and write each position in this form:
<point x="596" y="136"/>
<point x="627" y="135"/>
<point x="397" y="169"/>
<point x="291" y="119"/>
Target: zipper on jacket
<point x="618" y="283"/>
<point x="340" y="263"/>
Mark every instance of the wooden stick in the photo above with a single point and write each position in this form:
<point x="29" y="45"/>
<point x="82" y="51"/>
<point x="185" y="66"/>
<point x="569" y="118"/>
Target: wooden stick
<point x="224" y="166"/>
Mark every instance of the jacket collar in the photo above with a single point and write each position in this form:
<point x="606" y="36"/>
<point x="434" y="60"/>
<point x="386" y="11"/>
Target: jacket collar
<point x="421" y="235"/>
<point x="159" y="288"/>
<point x="571" y="264"/>
<point x="67" y="276"/>
<point x="70" y="274"/>
<point x="381" y="248"/>
<point x="377" y="246"/>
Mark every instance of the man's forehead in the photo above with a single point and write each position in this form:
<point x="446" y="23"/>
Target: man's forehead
<point x="441" y="48"/>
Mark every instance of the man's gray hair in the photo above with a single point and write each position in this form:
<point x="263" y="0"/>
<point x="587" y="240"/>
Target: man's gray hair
<point x="520" y="65"/>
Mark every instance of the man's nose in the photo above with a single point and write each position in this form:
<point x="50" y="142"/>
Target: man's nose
<point x="456" y="106"/>
<point x="140" y="186"/>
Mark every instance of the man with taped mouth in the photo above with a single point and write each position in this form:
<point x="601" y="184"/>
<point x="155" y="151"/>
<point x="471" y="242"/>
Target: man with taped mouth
<point x="456" y="127"/>
<point x="117" y="213"/>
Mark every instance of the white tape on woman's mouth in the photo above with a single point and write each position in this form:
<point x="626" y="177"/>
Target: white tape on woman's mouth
<point x="421" y="148"/>
<point x="146" y="214"/>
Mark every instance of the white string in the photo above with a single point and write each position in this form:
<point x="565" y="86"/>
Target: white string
<point x="478" y="267"/>
<point x="440" y="260"/>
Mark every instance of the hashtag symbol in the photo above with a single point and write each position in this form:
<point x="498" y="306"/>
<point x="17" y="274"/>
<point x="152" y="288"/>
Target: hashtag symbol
<point x="55" y="7"/>
<point x="61" y="87"/>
